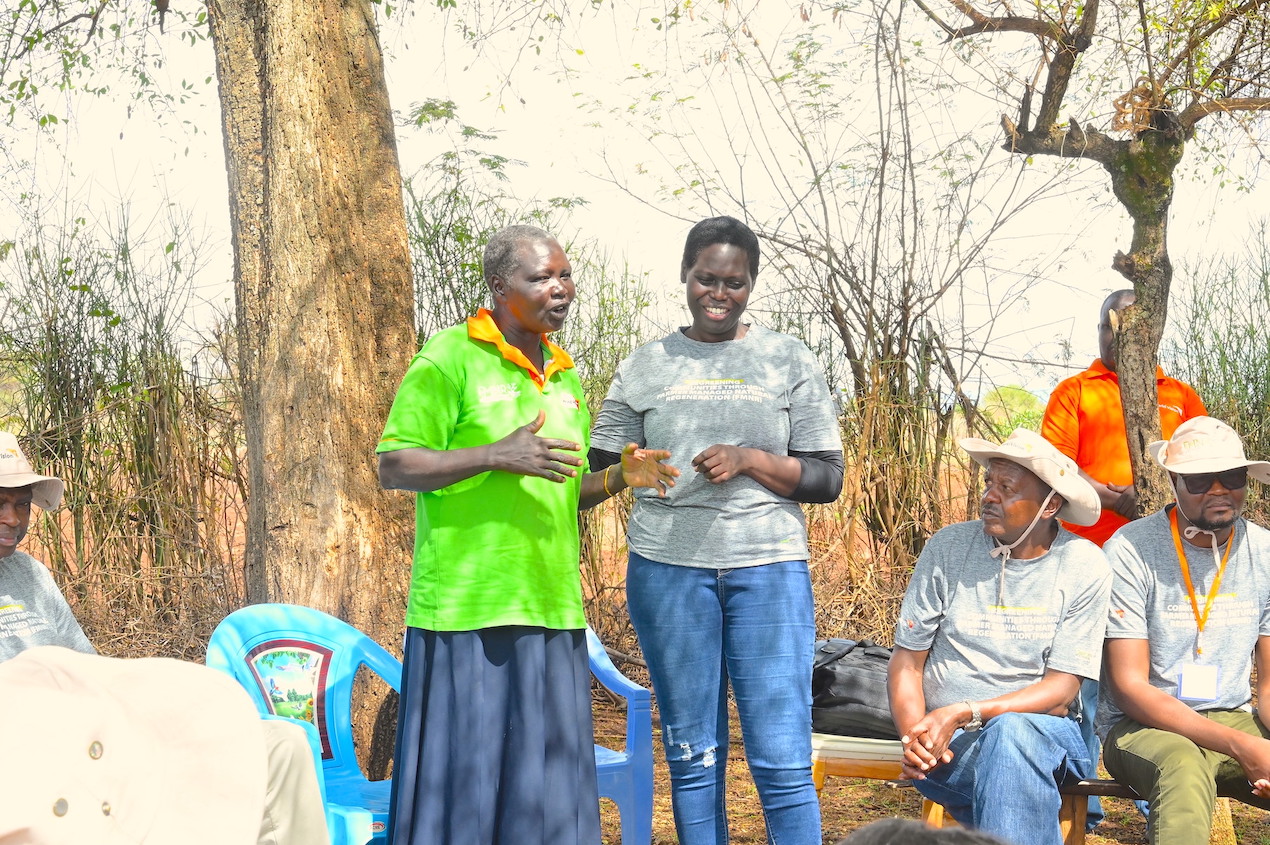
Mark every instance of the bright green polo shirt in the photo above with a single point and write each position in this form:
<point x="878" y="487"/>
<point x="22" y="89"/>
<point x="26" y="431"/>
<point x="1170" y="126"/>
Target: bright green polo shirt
<point x="497" y="548"/>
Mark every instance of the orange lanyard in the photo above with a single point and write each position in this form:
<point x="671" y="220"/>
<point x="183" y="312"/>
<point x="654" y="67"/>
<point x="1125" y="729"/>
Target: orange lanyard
<point x="1200" y="619"/>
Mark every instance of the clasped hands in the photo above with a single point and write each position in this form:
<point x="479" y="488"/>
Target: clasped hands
<point x="926" y="742"/>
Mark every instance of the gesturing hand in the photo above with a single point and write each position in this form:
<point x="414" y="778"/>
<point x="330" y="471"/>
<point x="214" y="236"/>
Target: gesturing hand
<point x="523" y="452"/>
<point x="718" y="463"/>
<point x="645" y="468"/>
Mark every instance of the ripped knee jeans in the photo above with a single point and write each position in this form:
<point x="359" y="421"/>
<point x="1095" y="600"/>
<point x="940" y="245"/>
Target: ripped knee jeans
<point x="753" y="628"/>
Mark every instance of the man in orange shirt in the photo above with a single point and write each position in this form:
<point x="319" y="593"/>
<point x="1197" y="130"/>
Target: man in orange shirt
<point x="1085" y="421"/>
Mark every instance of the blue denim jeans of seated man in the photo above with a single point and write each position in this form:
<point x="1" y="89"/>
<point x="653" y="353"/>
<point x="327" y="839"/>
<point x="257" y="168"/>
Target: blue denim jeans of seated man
<point x="1004" y="779"/>
<point x="700" y="628"/>
<point x="1089" y="709"/>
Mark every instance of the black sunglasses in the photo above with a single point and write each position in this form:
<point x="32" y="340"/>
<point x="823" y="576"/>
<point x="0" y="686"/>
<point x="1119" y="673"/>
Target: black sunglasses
<point x="1231" y="479"/>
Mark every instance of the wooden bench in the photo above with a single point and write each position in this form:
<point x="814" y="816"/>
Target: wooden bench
<point x="879" y="759"/>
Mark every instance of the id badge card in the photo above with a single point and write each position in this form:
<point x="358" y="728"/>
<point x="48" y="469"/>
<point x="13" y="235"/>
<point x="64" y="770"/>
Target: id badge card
<point x="1197" y="683"/>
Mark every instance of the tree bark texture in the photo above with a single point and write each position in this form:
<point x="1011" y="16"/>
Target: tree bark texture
<point x="1142" y="179"/>
<point x="324" y="302"/>
<point x="1141" y="171"/>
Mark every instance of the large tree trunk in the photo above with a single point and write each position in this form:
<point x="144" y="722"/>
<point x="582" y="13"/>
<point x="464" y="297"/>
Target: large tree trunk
<point x="324" y="303"/>
<point x="1142" y="178"/>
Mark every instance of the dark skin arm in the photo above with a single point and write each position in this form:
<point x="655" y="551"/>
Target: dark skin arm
<point x="778" y="473"/>
<point x="523" y="452"/>
<point x="1121" y="498"/>
<point x="1128" y="664"/>
<point x="926" y="735"/>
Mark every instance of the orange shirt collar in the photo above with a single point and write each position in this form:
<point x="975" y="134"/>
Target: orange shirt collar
<point x="1100" y="369"/>
<point x="482" y="327"/>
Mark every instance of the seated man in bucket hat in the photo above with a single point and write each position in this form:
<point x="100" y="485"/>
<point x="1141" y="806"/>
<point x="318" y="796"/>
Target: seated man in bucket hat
<point x="1002" y="619"/>
<point x="32" y="609"/>
<point x="1190" y="607"/>
<point x="170" y="751"/>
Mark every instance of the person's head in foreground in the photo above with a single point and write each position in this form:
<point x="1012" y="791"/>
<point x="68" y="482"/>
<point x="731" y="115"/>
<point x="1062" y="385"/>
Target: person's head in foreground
<point x="1027" y="486"/>
<point x="719" y="266"/>
<point x="21" y="487"/>
<point x="1209" y="472"/>
<point x="909" y="832"/>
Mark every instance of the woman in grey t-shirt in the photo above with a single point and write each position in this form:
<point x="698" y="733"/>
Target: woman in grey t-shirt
<point x="717" y="582"/>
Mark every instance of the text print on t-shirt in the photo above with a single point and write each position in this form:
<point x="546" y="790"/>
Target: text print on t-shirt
<point x="1010" y="623"/>
<point x="17" y="621"/>
<point x="715" y="390"/>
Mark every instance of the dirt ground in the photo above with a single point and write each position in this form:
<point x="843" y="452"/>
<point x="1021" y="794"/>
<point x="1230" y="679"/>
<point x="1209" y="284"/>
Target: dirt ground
<point x="845" y="803"/>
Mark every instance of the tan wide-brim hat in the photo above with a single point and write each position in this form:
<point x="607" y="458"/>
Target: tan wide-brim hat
<point x="1037" y="455"/>
<point x="104" y="751"/>
<point x="1205" y="444"/>
<point x="16" y="471"/>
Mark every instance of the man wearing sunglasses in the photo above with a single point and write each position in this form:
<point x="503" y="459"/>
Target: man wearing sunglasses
<point x="1190" y="612"/>
<point x="1085" y="420"/>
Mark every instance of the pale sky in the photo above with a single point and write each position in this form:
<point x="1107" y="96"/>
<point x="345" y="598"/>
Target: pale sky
<point x="115" y="155"/>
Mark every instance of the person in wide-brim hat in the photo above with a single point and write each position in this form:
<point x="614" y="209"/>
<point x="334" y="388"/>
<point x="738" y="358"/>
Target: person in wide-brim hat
<point x="1001" y="622"/>
<point x="1037" y="455"/>
<point x="1205" y="444"/>
<point x="16" y="471"/>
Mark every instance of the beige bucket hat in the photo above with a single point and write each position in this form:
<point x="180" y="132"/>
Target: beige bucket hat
<point x="104" y="751"/>
<point x="1205" y="444"/>
<point x="1037" y="455"/>
<point x="16" y="471"/>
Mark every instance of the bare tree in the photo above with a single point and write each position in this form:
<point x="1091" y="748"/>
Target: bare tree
<point x="1167" y="70"/>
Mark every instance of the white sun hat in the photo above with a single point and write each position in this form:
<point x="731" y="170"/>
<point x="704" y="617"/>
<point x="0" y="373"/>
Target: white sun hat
<point x="1037" y="455"/>
<point x="16" y="471"/>
<point x="1205" y="444"/>
<point x="104" y="751"/>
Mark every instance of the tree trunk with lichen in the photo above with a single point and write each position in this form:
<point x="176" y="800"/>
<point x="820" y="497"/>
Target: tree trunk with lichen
<point x="1142" y="179"/>
<point x="324" y="305"/>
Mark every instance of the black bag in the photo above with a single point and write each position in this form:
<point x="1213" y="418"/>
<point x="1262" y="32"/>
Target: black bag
<point x="848" y="690"/>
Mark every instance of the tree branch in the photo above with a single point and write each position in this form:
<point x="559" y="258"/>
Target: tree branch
<point x="1073" y="142"/>
<point x="92" y="16"/>
<point x="1193" y="114"/>
<point x="948" y="29"/>
<point x="1200" y="36"/>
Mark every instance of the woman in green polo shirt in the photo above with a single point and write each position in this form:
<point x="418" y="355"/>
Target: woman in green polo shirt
<point x="489" y="429"/>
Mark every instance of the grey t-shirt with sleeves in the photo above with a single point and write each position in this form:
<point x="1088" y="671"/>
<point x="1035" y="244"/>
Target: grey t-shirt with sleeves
<point x="33" y="611"/>
<point x="1149" y="601"/>
<point x="764" y="390"/>
<point x="984" y="641"/>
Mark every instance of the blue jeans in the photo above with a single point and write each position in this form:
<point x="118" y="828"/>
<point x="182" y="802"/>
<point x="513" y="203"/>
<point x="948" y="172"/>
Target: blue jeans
<point x="1004" y="779"/>
<point x="1089" y="707"/>
<point x="698" y="628"/>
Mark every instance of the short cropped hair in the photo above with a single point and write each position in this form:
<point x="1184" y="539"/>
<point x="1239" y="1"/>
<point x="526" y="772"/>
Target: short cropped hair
<point x="502" y="250"/>
<point x="720" y="230"/>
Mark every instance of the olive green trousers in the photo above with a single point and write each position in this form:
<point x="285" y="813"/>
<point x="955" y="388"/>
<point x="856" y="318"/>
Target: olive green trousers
<point x="1179" y="779"/>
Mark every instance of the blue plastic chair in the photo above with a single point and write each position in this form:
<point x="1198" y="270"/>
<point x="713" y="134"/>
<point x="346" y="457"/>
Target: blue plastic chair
<point x="300" y="663"/>
<point x="261" y="646"/>
<point x="626" y="776"/>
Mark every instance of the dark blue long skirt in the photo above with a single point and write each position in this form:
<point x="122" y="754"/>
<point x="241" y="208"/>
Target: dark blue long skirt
<point x="494" y="740"/>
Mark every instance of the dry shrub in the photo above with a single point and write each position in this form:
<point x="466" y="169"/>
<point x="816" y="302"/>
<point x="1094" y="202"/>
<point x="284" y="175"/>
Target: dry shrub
<point x="146" y="436"/>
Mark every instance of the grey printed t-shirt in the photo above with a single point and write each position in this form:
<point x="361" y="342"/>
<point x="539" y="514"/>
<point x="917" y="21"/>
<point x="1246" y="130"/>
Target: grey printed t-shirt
<point x="1149" y="602"/>
<point x="765" y="391"/>
<point x="1052" y="617"/>
<point x="33" y="611"/>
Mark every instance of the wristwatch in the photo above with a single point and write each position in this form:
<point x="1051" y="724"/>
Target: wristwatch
<point x="976" y="719"/>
